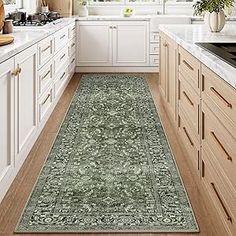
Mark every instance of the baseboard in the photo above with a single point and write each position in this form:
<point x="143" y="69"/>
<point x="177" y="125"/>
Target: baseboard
<point x="101" y="69"/>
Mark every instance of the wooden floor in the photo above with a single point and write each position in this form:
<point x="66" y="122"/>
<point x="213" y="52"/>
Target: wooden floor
<point x="14" y="202"/>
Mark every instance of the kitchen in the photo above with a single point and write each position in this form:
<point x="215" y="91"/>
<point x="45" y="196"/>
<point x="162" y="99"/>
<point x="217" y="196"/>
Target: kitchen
<point x="117" y="117"/>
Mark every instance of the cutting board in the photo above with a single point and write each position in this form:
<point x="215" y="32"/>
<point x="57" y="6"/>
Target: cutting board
<point x="6" y="39"/>
<point x="2" y="14"/>
<point x="64" y="7"/>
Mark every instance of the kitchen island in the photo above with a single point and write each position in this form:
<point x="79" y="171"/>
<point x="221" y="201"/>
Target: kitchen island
<point x="198" y="90"/>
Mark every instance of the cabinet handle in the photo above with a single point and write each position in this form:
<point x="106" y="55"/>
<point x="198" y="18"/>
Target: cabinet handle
<point x="72" y="60"/>
<point x="45" y="49"/>
<point x="73" y="45"/>
<point x="187" y="64"/>
<point x="221" y="145"/>
<point x="45" y="76"/>
<point x="62" y="75"/>
<point x="49" y="95"/>
<point x="63" y="36"/>
<point x="62" y="57"/>
<point x="187" y="97"/>
<point x="19" y="70"/>
<point x="229" y="218"/>
<point x="220" y="97"/>
<point x="190" y="140"/>
<point x="15" y="72"/>
<point x="73" y="28"/>
<point x="165" y="44"/>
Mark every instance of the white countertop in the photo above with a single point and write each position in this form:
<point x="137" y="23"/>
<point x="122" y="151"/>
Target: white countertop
<point x="188" y="35"/>
<point x="27" y="36"/>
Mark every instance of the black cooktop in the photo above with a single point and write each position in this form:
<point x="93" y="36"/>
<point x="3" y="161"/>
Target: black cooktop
<point x="225" y="51"/>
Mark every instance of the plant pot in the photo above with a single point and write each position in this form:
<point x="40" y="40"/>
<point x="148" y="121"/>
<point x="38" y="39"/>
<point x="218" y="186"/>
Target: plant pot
<point x="216" y="21"/>
<point x="83" y="11"/>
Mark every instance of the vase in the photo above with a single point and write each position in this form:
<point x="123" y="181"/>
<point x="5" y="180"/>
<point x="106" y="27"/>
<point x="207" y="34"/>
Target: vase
<point x="83" y="11"/>
<point x="216" y="21"/>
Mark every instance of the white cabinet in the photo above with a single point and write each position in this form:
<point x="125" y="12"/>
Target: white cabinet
<point x="6" y="122"/>
<point x="94" y="43"/>
<point x="26" y="101"/>
<point x="130" y="43"/>
<point x="116" y="43"/>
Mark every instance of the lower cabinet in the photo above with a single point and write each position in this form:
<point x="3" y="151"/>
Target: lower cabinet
<point x="29" y="90"/>
<point x="111" y="43"/>
<point x="205" y="107"/>
<point x="25" y="101"/>
<point x="130" y="43"/>
<point x="168" y="72"/>
<point x="7" y="101"/>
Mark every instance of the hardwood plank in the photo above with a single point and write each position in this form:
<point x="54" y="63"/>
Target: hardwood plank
<point x="14" y="202"/>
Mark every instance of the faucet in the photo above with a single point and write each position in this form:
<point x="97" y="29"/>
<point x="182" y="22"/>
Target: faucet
<point x="164" y="6"/>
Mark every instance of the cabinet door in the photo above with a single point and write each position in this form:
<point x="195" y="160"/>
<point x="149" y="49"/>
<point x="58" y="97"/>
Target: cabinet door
<point x="131" y="43"/>
<point x="94" y="44"/>
<point x="171" y="76"/>
<point x="162" y="79"/>
<point x="26" y="101"/>
<point x="6" y="122"/>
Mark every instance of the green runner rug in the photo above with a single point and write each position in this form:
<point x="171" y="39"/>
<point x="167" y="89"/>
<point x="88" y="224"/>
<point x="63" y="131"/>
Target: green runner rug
<point x="111" y="168"/>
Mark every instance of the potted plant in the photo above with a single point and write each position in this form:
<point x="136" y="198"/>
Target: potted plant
<point x="83" y="10"/>
<point x="214" y="10"/>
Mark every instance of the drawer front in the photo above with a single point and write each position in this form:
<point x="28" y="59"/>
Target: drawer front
<point x="154" y="37"/>
<point x="220" y="193"/>
<point x="60" y="59"/>
<point x="189" y="102"/>
<point x="72" y="64"/>
<point x="221" y="141"/>
<point x="60" y="39"/>
<point x="154" y="60"/>
<point x="71" y="31"/>
<point x="217" y="92"/>
<point x="45" y="50"/>
<point x="45" y="77"/>
<point x="72" y="47"/>
<point x="154" y="48"/>
<point x="189" y="67"/>
<point x="60" y="80"/>
<point x="191" y="143"/>
<point x="45" y="103"/>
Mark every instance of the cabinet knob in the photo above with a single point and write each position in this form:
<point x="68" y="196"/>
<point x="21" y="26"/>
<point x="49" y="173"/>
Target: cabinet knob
<point x="114" y="27"/>
<point x="14" y="73"/>
<point x="111" y="27"/>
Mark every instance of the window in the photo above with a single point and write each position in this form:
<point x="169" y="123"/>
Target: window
<point x="125" y="2"/>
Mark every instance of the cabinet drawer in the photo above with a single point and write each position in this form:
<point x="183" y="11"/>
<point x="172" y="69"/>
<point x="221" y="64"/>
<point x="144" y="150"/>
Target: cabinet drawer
<point x="60" y="59"/>
<point x="60" y="39"/>
<point x="154" y="48"/>
<point x="221" y="141"/>
<point x="189" y="139"/>
<point x="45" y="50"/>
<point x="217" y="92"/>
<point x="72" y="64"/>
<point x="189" y="102"/>
<point x="60" y="80"/>
<point x="220" y="193"/>
<point x="45" y="77"/>
<point x="154" y="37"/>
<point x="72" y="47"/>
<point x="45" y="103"/>
<point x="154" y="60"/>
<point x="189" y="67"/>
<point x="71" y="31"/>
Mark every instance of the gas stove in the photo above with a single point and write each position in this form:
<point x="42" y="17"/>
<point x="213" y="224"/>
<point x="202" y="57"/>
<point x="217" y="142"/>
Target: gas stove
<point x="37" y="19"/>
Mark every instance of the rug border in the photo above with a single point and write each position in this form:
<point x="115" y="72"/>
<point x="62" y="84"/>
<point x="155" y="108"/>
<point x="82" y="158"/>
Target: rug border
<point x="197" y="230"/>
